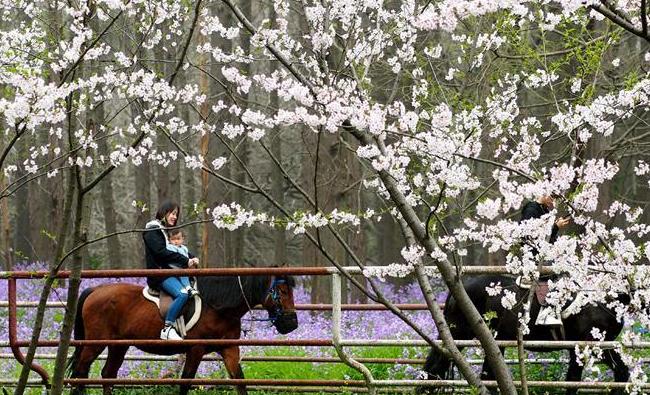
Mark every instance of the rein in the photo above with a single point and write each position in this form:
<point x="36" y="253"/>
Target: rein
<point x="275" y="297"/>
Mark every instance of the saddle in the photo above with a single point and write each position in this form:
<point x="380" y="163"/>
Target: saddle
<point x="574" y="307"/>
<point x="189" y="315"/>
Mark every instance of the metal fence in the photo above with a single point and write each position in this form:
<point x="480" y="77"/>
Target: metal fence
<point x="368" y="384"/>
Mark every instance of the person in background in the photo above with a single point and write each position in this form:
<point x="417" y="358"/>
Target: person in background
<point x="540" y="207"/>
<point x="536" y="209"/>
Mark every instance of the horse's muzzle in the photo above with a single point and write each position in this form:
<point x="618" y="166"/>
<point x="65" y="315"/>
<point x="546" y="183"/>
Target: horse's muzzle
<point x="286" y="322"/>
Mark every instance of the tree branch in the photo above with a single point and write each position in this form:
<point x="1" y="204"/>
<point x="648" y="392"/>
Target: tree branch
<point x="140" y="137"/>
<point x="438" y="316"/>
<point x="89" y="47"/>
<point x="450" y="275"/>
<point x="618" y="19"/>
<point x="13" y="141"/>
<point x="378" y="296"/>
<point x="644" y="18"/>
<point x="121" y="232"/>
<point x="251" y="29"/>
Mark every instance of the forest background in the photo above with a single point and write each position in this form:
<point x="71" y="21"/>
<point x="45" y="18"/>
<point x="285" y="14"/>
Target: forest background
<point x="37" y="194"/>
<point x="313" y="133"/>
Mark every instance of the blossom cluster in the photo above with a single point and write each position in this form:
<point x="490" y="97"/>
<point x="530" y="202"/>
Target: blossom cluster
<point x="233" y="216"/>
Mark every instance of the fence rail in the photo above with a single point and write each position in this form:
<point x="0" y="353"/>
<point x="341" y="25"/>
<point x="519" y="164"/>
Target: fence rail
<point x="369" y="384"/>
<point x="302" y="306"/>
<point x="308" y="359"/>
<point x="244" y="271"/>
<point x="541" y="344"/>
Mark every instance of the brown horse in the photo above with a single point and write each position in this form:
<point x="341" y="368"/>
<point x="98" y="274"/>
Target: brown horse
<point x="120" y="311"/>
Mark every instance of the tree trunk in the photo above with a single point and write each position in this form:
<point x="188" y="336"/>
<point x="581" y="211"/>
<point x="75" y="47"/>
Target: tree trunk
<point x="326" y="179"/>
<point x="204" y="145"/>
<point x="143" y="199"/>
<point x="483" y="333"/>
<point x="214" y="242"/>
<point x="67" y="214"/>
<point x="5" y="234"/>
<point x="22" y="236"/>
<point x="54" y="267"/>
<point x="355" y="235"/>
<point x="80" y="237"/>
<point x="56" y="185"/>
<point x="277" y="191"/>
<point x="108" y="206"/>
<point x="235" y="239"/>
<point x="43" y="201"/>
<point x="188" y="182"/>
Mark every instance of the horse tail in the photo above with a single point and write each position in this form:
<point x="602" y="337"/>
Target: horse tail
<point x="79" y="331"/>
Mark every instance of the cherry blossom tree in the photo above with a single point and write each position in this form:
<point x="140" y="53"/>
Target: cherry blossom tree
<point x="457" y="111"/>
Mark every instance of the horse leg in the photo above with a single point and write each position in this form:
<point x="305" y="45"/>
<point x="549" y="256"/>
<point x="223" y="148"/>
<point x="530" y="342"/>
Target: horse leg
<point x="112" y="365"/>
<point x="620" y="369"/>
<point x="574" y="373"/>
<point x="488" y="374"/>
<point x="230" y="357"/>
<point x="437" y="367"/>
<point x="192" y="361"/>
<point x="87" y="356"/>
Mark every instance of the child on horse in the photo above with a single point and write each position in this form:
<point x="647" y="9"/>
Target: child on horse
<point x="160" y="256"/>
<point x="176" y="240"/>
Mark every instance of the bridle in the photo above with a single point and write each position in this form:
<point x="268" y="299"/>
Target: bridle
<point x="272" y="293"/>
<point x="276" y="298"/>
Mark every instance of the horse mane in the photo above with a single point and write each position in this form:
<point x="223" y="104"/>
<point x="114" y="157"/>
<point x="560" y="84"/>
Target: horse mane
<point x="226" y="293"/>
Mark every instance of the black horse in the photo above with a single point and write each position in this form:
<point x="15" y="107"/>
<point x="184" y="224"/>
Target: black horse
<point x="577" y="327"/>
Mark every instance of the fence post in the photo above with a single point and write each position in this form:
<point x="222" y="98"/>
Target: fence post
<point x="336" y="336"/>
<point x="13" y="336"/>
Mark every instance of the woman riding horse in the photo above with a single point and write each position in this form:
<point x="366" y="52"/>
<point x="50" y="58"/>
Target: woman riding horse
<point x="120" y="311"/>
<point x="159" y="256"/>
<point x="578" y="327"/>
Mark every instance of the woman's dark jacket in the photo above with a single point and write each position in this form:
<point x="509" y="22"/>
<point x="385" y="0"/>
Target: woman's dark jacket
<point x="537" y="210"/>
<point x="157" y="255"/>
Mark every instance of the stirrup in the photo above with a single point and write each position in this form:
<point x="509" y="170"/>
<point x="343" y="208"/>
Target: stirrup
<point x="547" y="317"/>
<point x="523" y="283"/>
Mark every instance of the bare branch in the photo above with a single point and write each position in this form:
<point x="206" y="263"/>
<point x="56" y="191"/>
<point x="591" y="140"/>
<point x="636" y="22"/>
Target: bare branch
<point x="141" y="136"/>
<point x="644" y="17"/>
<point x="288" y="64"/>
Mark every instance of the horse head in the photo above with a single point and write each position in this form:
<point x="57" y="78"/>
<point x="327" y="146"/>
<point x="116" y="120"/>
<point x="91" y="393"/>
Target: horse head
<point x="280" y="305"/>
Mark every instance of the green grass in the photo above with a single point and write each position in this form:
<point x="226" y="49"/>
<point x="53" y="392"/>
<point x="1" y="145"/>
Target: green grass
<point x="322" y="371"/>
<point x="265" y="370"/>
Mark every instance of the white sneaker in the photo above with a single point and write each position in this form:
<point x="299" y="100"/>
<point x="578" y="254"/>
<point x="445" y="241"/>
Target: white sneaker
<point x="191" y="291"/>
<point x="169" y="333"/>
